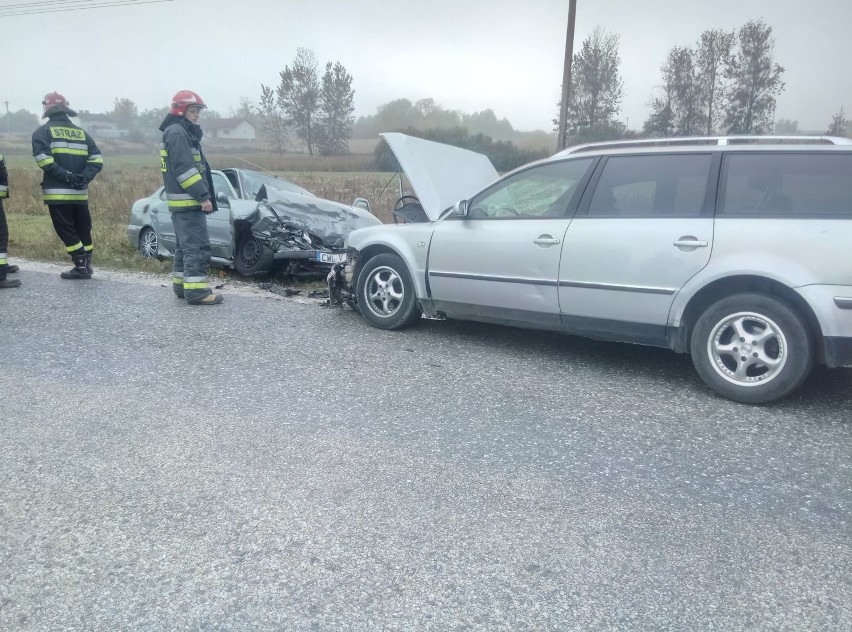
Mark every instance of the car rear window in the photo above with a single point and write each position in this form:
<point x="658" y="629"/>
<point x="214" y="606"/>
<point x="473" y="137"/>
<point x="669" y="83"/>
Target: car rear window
<point x="652" y="186"/>
<point x="795" y="184"/>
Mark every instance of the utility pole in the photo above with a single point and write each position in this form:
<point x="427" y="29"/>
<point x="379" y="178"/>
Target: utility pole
<point x="566" y="74"/>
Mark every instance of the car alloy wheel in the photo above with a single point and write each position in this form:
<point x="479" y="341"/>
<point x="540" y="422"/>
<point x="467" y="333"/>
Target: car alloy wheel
<point x="747" y="348"/>
<point x="148" y="244"/>
<point x="752" y="348"/>
<point x="385" y="293"/>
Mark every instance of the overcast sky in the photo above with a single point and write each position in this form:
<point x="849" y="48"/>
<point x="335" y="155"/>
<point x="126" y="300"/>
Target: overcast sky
<point x="468" y="55"/>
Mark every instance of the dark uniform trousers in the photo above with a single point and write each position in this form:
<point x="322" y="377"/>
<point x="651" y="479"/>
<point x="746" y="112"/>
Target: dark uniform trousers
<point x="192" y="253"/>
<point x="73" y="224"/>
<point x="4" y="243"/>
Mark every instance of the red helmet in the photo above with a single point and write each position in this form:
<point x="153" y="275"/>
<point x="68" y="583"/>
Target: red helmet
<point x="184" y="99"/>
<point x="55" y="102"/>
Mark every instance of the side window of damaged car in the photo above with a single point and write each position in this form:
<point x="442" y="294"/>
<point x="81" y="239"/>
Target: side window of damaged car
<point x="544" y="191"/>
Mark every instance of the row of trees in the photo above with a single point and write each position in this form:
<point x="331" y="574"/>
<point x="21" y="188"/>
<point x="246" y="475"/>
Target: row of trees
<point x="728" y="81"/>
<point x="316" y="111"/>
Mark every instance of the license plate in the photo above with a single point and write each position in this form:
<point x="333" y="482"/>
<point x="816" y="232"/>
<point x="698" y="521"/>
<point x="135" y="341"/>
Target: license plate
<point x="331" y="257"/>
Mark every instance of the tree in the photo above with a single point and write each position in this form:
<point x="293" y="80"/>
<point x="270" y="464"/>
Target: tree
<point x="786" y="126"/>
<point x="679" y="111"/>
<point x="124" y="113"/>
<point x="755" y="81"/>
<point x="246" y="110"/>
<point x="335" y="110"/>
<point x="711" y="57"/>
<point x="299" y="94"/>
<point x="838" y="124"/>
<point x="596" y="86"/>
<point x="273" y="121"/>
<point x="20" y="121"/>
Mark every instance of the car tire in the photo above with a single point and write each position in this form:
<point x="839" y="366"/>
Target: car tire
<point x="252" y="257"/>
<point x="752" y="348"/>
<point x="148" y="243"/>
<point x="385" y="293"/>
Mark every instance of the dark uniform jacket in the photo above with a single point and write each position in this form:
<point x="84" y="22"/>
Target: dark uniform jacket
<point x="69" y="158"/>
<point x="186" y="174"/>
<point x="4" y="180"/>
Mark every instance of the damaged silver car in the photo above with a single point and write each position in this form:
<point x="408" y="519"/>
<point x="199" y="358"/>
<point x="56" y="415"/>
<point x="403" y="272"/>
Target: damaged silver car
<point x="262" y="223"/>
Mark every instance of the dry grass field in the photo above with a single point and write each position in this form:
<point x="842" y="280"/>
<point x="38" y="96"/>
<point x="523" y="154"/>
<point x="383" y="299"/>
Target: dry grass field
<point x="126" y="178"/>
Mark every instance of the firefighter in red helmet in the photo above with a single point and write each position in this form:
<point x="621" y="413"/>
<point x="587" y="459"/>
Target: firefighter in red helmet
<point x="70" y="159"/>
<point x="189" y="195"/>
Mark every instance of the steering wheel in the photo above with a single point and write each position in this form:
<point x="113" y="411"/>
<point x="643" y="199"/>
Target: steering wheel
<point x="406" y="199"/>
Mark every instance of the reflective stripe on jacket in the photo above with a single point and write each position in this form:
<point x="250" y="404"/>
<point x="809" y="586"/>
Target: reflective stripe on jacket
<point x="63" y="150"/>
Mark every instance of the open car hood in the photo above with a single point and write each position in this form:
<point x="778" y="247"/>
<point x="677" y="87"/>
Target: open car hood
<point x="440" y="174"/>
<point x="330" y="221"/>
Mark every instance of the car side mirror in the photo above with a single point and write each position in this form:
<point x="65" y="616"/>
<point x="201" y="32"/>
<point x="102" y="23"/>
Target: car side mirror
<point x="460" y="208"/>
<point x="221" y="198"/>
<point x="362" y="203"/>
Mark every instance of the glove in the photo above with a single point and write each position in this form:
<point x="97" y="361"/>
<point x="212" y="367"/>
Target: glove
<point x="79" y="181"/>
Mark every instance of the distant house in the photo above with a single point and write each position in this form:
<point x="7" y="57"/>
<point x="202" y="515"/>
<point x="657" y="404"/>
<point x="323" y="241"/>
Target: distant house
<point x="228" y="128"/>
<point x="99" y="125"/>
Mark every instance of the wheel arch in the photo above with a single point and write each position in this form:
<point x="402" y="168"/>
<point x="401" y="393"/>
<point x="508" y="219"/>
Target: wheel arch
<point x="368" y="252"/>
<point x="738" y="284"/>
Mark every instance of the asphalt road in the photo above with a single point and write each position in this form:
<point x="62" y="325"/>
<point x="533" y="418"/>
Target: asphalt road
<point x="269" y="464"/>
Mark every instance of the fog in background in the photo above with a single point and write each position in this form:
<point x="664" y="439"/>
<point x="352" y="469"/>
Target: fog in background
<point x="468" y="55"/>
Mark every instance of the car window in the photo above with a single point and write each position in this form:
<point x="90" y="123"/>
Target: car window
<point x="652" y="186"/>
<point x="542" y="191"/>
<point x="252" y="181"/>
<point x="790" y="184"/>
<point x="220" y="185"/>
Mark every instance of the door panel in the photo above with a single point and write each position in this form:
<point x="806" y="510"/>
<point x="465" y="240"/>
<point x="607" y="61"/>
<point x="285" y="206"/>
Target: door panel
<point x="494" y="269"/>
<point x="643" y="230"/>
<point x="501" y="262"/>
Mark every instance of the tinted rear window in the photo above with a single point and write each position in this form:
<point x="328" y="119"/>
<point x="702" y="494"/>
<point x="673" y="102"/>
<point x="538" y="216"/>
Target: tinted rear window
<point x="652" y="186"/>
<point x="793" y="185"/>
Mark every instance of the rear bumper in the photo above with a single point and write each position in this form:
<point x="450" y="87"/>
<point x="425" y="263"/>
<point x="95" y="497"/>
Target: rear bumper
<point x="838" y="351"/>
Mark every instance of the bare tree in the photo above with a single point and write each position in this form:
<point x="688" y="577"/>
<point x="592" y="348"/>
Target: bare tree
<point x="272" y="118"/>
<point x="838" y="124"/>
<point x="755" y="81"/>
<point x="712" y="55"/>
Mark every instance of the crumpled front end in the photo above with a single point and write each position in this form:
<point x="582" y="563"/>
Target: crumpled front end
<point x="340" y="279"/>
<point x="304" y="227"/>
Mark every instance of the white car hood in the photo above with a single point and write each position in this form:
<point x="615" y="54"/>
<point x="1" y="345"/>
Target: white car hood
<point x="440" y="174"/>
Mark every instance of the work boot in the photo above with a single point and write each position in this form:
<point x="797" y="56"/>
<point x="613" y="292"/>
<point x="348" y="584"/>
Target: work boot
<point x="6" y="283"/>
<point x="89" y="269"/>
<point x="79" y="271"/>
<point x="210" y="299"/>
<point x="8" y="268"/>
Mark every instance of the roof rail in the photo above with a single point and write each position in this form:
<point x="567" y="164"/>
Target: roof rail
<point x="708" y="140"/>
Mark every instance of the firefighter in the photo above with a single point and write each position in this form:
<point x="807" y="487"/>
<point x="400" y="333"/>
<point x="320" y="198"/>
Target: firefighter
<point x="189" y="195"/>
<point x="70" y="160"/>
<point x="5" y="268"/>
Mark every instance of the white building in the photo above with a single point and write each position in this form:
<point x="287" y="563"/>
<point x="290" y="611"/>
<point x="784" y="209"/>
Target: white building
<point x="228" y="129"/>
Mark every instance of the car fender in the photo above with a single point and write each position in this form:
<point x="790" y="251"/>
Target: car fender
<point x="773" y="267"/>
<point x="409" y="241"/>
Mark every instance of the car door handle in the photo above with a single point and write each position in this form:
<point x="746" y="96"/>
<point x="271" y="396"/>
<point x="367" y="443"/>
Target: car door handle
<point x="546" y="240"/>
<point x="688" y="241"/>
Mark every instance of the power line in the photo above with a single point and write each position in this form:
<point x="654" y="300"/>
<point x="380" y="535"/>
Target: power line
<point x="15" y="10"/>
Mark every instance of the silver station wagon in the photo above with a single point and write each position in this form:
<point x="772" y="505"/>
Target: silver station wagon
<point x="734" y="250"/>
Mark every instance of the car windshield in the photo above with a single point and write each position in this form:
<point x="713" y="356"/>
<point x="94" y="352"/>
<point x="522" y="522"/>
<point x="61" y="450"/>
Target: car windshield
<point x="252" y="181"/>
